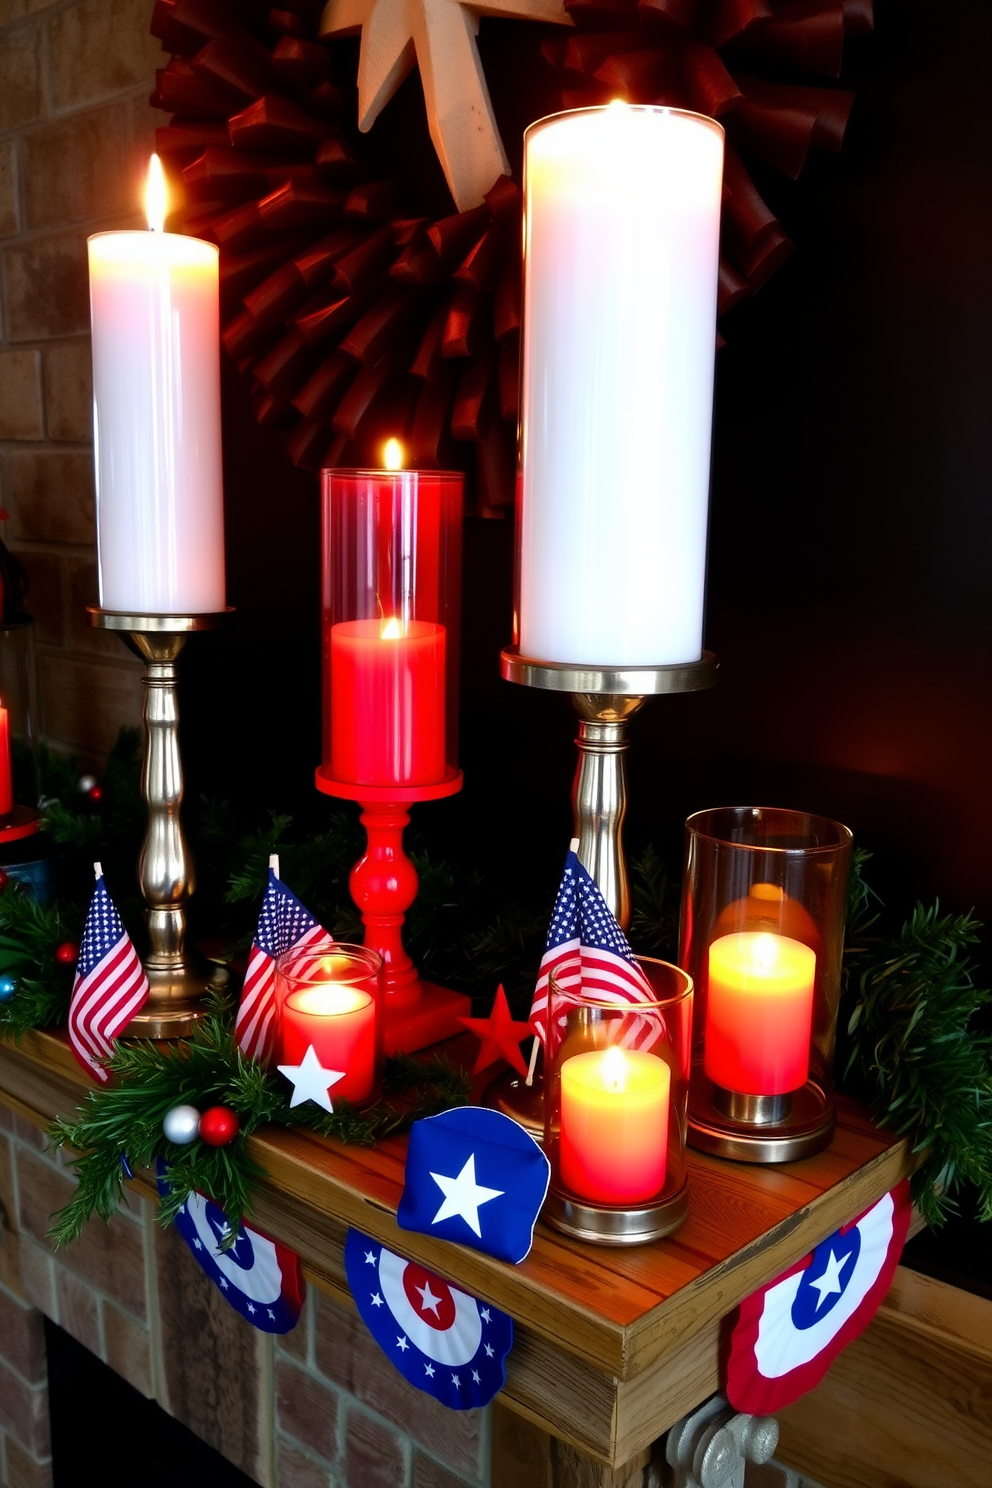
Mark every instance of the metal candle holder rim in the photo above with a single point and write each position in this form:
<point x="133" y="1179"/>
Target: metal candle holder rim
<point x="329" y="947"/>
<point x="618" y="681"/>
<point x="843" y="835"/>
<point x="683" y="989"/>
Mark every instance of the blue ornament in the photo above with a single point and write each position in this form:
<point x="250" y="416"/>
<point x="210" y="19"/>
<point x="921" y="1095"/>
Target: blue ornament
<point x="7" y="988"/>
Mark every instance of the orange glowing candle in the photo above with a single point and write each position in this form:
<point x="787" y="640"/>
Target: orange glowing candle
<point x="759" y="1012"/>
<point x="614" y="1125"/>
<point x="6" y="782"/>
<point x="339" y="1022"/>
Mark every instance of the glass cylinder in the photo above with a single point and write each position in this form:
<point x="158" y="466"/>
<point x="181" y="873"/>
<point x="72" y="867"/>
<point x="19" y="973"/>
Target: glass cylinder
<point x="329" y="997"/>
<point x="18" y="716"/>
<point x="616" y="1090"/>
<point x="764" y="896"/>
<point x="391" y="618"/>
<point x="621" y="256"/>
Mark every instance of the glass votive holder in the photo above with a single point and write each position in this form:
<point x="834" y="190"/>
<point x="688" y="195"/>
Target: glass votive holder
<point x="329" y="996"/>
<point x="616" y="1089"/>
<point x="764" y="895"/>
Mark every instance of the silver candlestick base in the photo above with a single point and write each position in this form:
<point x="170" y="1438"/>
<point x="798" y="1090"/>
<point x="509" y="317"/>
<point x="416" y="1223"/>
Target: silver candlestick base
<point x="178" y="977"/>
<point x="606" y="699"/>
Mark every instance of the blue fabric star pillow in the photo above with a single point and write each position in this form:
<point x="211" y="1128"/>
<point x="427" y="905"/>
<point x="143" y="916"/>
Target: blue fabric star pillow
<point x="476" y="1177"/>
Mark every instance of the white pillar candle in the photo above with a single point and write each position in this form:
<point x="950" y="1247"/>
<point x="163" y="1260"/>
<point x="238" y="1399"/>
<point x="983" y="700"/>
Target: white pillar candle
<point x="156" y="417"/>
<point x="621" y="254"/>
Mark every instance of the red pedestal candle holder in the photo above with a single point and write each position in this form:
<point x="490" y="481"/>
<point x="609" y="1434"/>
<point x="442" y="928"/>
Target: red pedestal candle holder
<point x="391" y="613"/>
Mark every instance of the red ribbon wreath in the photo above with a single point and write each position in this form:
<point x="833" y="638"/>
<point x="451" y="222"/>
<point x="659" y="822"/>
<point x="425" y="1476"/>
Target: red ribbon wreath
<point x="354" y="318"/>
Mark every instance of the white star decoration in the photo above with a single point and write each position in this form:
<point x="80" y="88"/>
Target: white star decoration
<point x="402" y="1344"/>
<point x="440" y="36"/>
<point x="462" y="1196"/>
<point x="377" y="1300"/>
<point x="829" y="1281"/>
<point x="310" y="1081"/>
<point x="428" y="1301"/>
<point x="429" y="1370"/>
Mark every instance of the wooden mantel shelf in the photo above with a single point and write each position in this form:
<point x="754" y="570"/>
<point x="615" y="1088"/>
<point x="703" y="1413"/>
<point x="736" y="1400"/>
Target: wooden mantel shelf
<point x="611" y="1346"/>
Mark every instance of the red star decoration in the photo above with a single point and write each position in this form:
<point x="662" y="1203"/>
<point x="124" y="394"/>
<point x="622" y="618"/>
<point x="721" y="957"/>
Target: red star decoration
<point x="500" y="1036"/>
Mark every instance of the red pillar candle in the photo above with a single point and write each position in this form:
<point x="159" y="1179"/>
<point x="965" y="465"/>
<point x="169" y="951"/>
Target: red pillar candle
<point x="759" y="1013"/>
<point x="388" y="701"/>
<point x="6" y="783"/>
<point x="614" y="1125"/>
<point x="340" y="1024"/>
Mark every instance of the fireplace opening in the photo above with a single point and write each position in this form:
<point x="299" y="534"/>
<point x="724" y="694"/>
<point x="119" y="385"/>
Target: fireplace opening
<point x="102" y="1424"/>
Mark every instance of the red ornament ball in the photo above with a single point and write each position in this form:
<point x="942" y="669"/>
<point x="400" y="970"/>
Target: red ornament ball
<point x="67" y="953"/>
<point x="218" y="1126"/>
<point x="96" y="794"/>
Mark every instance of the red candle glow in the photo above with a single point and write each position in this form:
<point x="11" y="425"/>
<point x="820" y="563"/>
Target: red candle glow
<point x="6" y="784"/>
<point x="387" y="701"/>
<point x="614" y="1125"/>
<point x="759" y="1013"/>
<point x="340" y="1024"/>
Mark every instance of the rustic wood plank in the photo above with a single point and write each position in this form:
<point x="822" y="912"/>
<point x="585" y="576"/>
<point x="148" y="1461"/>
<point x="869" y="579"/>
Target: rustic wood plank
<point x="909" y="1403"/>
<point x="612" y="1345"/>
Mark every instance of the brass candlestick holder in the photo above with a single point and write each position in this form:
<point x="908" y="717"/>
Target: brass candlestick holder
<point x="178" y="977"/>
<point x="605" y="699"/>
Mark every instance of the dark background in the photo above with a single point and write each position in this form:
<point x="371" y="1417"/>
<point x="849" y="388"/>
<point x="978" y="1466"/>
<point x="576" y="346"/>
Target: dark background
<point x="848" y="595"/>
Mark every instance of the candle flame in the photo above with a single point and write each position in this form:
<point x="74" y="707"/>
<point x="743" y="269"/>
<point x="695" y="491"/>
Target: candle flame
<point x="615" y="1068"/>
<point x="156" y="196"/>
<point x="618" y="103"/>
<point x="390" y="630"/>
<point x="766" y="952"/>
<point x="393" y="455"/>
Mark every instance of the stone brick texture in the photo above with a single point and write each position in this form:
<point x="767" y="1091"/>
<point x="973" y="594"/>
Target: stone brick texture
<point x="75" y="133"/>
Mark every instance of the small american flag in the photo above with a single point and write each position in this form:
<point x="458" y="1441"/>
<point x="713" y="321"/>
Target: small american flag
<point x="283" y="925"/>
<point x="110" y="984"/>
<point x="586" y="948"/>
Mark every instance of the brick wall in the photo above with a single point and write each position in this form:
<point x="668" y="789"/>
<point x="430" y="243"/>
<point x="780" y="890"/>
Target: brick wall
<point x="75" y="134"/>
<point x="320" y="1408"/>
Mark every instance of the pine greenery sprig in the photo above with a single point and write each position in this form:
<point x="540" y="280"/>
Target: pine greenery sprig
<point x="915" y="1054"/>
<point x="122" y="1122"/>
<point x="29" y="935"/>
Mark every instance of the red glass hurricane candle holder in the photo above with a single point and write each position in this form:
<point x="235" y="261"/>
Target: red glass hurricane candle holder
<point x="616" y="1087"/>
<point x="763" y="901"/>
<point x="391" y="613"/>
<point x="330" y="998"/>
<point x="19" y="816"/>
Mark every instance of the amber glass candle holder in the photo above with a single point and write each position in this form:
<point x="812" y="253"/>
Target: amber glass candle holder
<point x="391" y="625"/>
<point x="330" y="996"/>
<point x="762" y="936"/>
<point x="616" y="1088"/>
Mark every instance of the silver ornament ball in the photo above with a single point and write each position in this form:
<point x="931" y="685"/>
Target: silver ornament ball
<point x="85" y="784"/>
<point x="181" y="1124"/>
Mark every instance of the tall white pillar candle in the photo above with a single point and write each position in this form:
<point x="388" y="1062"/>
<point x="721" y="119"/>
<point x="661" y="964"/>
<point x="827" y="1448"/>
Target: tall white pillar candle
<point x="621" y="253"/>
<point x="156" y="415"/>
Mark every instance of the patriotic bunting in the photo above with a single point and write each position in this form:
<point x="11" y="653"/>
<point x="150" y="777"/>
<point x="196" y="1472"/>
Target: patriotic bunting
<point x="442" y="1340"/>
<point x="788" y="1333"/>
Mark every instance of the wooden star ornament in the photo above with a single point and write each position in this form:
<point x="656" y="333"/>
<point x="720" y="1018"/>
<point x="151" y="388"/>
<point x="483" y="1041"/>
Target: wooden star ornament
<point x="439" y="35"/>
<point x="500" y="1036"/>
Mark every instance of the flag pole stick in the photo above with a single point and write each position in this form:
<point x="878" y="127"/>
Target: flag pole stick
<point x="533" y="1061"/>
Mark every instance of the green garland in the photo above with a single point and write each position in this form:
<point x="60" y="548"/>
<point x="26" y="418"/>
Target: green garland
<point x="918" y="1058"/>
<point x="119" y="1126"/>
<point x="909" y="1043"/>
